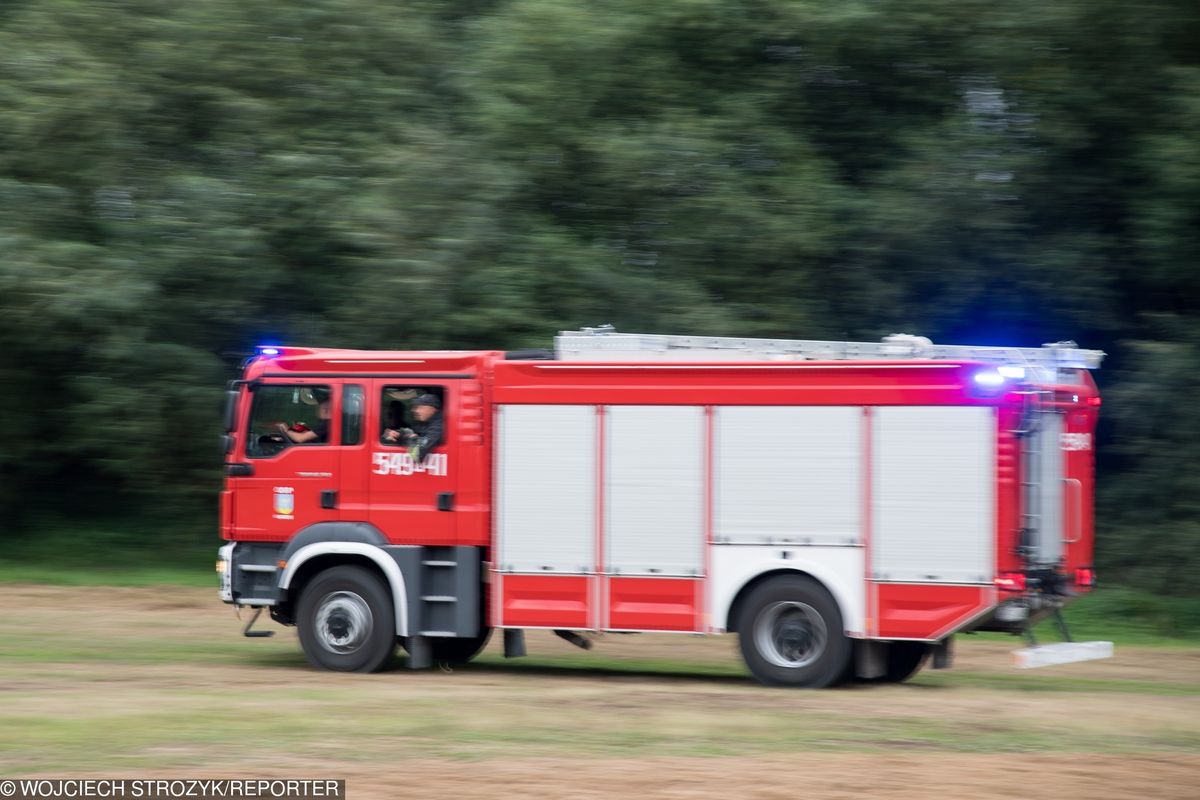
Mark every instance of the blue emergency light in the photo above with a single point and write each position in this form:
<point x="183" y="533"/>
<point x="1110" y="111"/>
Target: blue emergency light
<point x="989" y="378"/>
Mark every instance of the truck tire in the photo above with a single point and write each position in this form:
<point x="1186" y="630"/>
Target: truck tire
<point x="904" y="659"/>
<point x="901" y="662"/>
<point x="454" y="650"/>
<point x="791" y="634"/>
<point x="460" y="650"/>
<point x="346" y="622"/>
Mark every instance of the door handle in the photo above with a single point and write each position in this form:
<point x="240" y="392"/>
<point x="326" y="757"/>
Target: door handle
<point x="329" y="498"/>
<point x="239" y="470"/>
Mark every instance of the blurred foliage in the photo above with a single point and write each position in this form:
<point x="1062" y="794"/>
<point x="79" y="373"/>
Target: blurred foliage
<point x="180" y="181"/>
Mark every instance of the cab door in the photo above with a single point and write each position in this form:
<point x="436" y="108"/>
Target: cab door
<point x="412" y="501"/>
<point x="287" y="486"/>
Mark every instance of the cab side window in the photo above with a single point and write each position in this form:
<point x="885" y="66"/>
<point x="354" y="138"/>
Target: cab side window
<point x="412" y="418"/>
<point x="352" y="414"/>
<point x="283" y="416"/>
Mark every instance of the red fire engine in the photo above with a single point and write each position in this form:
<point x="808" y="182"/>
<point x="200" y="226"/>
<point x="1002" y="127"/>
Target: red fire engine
<point x="844" y="507"/>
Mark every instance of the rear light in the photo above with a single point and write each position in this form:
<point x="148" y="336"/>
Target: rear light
<point x="1085" y="576"/>
<point x="1093" y="401"/>
<point x="1010" y="581"/>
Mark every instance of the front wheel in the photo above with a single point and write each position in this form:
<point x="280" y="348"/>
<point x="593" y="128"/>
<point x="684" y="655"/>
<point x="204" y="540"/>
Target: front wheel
<point x="346" y="622"/>
<point x="790" y="632"/>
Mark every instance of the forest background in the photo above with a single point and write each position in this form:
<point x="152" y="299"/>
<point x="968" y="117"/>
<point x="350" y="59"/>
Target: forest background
<point x="182" y="181"/>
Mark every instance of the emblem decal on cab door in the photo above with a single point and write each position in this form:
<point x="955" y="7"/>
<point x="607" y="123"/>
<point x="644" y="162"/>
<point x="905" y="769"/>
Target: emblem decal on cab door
<point x="284" y="504"/>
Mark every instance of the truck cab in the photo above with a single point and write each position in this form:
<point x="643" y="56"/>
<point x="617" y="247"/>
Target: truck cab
<point x="354" y="494"/>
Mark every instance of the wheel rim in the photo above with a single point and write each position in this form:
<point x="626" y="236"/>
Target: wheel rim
<point x="344" y="622"/>
<point x="790" y="634"/>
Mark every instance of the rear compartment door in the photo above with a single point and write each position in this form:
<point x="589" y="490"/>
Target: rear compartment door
<point x="1058" y="496"/>
<point x="932" y="519"/>
<point x="1079" y="480"/>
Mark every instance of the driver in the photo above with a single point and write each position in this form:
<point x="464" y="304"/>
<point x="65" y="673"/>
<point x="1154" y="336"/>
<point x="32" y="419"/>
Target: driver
<point x="319" y="432"/>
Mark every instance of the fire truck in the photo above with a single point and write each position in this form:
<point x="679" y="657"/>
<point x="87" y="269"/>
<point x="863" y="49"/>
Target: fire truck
<point x="844" y="507"/>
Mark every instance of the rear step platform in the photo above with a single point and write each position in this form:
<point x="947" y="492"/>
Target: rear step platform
<point x="1045" y="655"/>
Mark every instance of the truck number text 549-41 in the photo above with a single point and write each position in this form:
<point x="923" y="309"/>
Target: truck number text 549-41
<point x="405" y="464"/>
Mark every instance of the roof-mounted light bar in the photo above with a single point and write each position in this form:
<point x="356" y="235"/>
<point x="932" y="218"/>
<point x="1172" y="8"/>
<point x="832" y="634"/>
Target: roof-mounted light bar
<point x="280" y="351"/>
<point x="604" y="344"/>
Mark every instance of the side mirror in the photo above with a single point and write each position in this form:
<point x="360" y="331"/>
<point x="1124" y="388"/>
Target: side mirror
<point x="231" y="400"/>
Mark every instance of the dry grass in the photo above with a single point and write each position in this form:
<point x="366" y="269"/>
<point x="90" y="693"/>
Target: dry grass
<point x="134" y="682"/>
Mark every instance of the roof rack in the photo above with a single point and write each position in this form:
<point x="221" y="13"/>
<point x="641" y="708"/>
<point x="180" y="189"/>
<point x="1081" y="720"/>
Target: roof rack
<point x="605" y="344"/>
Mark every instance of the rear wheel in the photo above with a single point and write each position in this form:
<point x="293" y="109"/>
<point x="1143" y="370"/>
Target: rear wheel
<point x="790" y="632"/>
<point x="455" y="650"/>
<point x="460" y="650"/>
<point x="904" y="659"/>
<point x="346" y="622"/>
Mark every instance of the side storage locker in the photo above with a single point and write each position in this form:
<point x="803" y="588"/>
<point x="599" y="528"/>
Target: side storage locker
<point x="545" y="490"/>
<point x="933" y="518"/>
<point x="654" y="517"/>
<point x="788" y="475"/>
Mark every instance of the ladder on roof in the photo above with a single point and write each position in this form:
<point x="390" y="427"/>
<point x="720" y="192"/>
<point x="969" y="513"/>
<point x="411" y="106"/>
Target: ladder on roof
<point x="605" y="344"/>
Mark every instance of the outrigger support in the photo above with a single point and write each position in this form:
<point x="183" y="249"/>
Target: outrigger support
<point x="1061" y="623"/>
<point x="1067" y="651"/>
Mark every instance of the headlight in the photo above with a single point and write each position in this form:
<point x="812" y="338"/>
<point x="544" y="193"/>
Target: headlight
<point x="225" y="570"/>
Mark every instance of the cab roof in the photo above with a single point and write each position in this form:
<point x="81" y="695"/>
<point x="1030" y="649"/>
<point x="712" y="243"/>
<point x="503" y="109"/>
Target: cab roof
<point x="297" y="362"/>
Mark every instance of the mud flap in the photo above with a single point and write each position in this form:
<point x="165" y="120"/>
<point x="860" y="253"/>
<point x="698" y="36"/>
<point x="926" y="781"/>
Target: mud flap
<point x="1045" y="655"/>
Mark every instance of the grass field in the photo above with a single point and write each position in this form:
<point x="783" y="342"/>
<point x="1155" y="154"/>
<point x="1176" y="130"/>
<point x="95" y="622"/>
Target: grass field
<point x="114" y="553"/>
<point x="158" y="681"/>
<point x="1111" y="613"/>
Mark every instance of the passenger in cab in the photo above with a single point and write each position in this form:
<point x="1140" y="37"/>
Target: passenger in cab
<point x="427" y="428"/>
